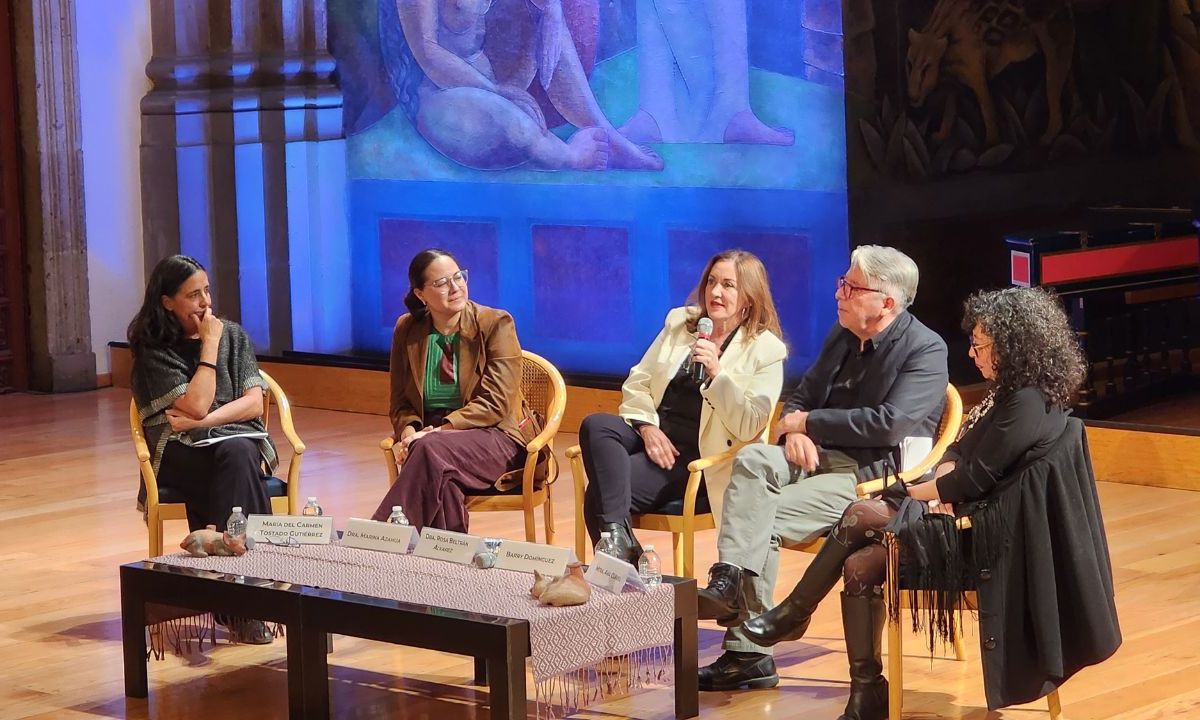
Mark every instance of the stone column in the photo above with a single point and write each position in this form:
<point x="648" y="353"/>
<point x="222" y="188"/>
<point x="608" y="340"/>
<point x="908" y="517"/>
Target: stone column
<point x="56" y="239"/>
<point x="240" y="131"/>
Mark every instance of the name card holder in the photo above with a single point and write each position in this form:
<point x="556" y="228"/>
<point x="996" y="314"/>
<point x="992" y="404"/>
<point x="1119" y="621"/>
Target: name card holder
<point x="302" y="529"/>
<point x="526" y="557"/>
<point x="613" y="575"/>
<point x="448" y="545"/>
<point x="374" y="535"/>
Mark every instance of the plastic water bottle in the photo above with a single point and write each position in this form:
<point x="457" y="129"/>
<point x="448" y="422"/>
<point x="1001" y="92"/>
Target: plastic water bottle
<point x="312" y="508"/>
<point x="397" y="517"/>
<point x="605" y="544"/>
<point x="236" y="524"/>
<point x="650" y="567"/>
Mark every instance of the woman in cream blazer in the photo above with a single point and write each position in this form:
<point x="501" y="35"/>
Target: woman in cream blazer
<point x="689" y="397"/>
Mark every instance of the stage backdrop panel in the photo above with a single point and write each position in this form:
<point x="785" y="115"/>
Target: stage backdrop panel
<point x="584" y="160"/>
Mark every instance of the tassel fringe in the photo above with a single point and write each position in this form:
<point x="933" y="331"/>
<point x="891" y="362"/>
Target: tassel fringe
<point x="562" y="695"/>
<point x="179" y="634"/>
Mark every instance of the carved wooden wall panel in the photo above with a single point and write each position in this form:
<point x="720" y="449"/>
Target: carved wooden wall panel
<point x="14" y="351"/>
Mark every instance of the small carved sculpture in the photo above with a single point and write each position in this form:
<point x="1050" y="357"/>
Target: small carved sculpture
<point x="570" y="589"/>
<point x="208" y="541"/>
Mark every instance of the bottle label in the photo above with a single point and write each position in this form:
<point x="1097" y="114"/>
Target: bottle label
<point x="302" y="529"/>
<point x="372" y="535"/>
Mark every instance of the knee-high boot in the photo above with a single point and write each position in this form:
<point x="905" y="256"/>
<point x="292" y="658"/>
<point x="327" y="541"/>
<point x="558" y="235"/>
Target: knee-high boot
<point x="789" y="619"/>
<point x="862" y="622"/>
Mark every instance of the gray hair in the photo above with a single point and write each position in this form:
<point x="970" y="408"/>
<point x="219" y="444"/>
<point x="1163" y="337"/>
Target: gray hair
<point x="894" y="272"/>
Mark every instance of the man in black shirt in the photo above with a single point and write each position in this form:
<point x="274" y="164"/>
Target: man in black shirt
<point x="880" y="377"/>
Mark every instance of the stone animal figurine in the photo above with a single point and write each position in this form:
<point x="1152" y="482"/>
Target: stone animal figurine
<point x="972" y="41"/>
<point x="208" y="541"/>
<point x="570" y="589"/>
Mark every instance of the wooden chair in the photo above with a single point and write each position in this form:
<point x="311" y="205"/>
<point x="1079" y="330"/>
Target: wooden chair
<point x="895" y="634"/>
<point x="948" y="426"/>
<point x="546" y="393"/>
<point x="161" y="504"/>
<point x="682" y="518"/>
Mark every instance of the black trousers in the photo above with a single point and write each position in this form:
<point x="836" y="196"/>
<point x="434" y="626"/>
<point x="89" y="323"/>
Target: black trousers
<point x="214" y="479"/>
<point x="621" y="479"/>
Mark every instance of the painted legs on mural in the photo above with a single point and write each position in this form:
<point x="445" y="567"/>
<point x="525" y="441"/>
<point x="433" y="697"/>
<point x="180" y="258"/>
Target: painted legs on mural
<point x="694" y="76"/>
<point x="474" y="107"/>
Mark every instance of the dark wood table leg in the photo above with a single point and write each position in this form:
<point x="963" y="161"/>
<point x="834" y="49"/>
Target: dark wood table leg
<point x="308" y="674"/>
<point x="133" y="638"/>
<point x="506" y="677"/>
<point x="481" y="676"/>
<point x="687" y="680"/>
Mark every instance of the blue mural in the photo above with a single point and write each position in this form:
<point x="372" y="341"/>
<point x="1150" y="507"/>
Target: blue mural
<point x="584" y="159"/>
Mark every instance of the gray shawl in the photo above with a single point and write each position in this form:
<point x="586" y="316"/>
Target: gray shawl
<point x="161" y="376"/>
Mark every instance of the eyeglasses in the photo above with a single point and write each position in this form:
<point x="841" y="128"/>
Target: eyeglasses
<point x="976" y="347"/>
<point x="443" y="283"/>
<point x="846" y="289"/>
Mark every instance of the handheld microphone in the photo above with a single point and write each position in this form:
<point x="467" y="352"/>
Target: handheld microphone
<point x="704" y="328"/>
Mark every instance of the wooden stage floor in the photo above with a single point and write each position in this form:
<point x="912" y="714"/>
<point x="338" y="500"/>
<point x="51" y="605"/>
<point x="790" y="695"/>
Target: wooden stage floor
<point x="67" y="520"/>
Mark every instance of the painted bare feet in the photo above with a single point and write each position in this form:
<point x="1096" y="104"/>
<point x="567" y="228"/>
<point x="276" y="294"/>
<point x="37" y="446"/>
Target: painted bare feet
<point x="627" y="155"/>
<point x="745" y="127"/>
<point x="641" y="128"/>
<point x="588" y="149"/>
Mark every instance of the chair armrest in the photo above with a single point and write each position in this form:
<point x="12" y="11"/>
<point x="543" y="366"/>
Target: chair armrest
<point x="870" y="487"/>
<point x="705" y="463"/>
<point x="389" y="459"/>
<point x="575" y="460"/>
<point x="552" y="424"/>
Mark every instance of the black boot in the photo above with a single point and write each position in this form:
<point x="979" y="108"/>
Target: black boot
<point x="723" y="599"/>
<point x="789" y="619"/>
<point x="862" y="622"/>
<point x="625" y="545"/>
<point x="734" y="669"/>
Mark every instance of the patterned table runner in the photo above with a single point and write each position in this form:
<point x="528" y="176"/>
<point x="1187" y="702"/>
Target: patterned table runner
<point x="566" y="643"/>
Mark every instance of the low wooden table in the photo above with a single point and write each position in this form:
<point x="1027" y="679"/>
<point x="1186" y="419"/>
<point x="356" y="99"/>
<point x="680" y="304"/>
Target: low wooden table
<point x="498" y="644"/>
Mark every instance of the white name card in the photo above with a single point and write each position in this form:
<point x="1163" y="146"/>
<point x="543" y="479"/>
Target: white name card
<point x="611" y="574"/>
<point x="303" y="529"/>
<point x="374" y="535"/>
<point x="448" y="545"/>
<point x="527" y="557"/>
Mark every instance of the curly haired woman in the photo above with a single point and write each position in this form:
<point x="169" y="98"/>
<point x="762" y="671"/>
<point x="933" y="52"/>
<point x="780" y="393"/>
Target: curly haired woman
<point x="1024" y="347"/>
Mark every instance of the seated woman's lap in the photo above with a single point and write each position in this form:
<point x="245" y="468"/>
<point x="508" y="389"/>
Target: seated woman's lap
<point x="621" y="478"/>
<point x="861" y="531"/>
<point x="215" y="479"/>
<point x="443" y="467"/>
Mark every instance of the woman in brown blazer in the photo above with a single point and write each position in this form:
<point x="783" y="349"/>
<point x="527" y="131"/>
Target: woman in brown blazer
<point x="457" y="412"/>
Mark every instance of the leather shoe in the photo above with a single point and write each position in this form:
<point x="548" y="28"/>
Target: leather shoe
<point x="722" y="599"/>
<point x="734" y="669"/>
<point x="625" y="545"/>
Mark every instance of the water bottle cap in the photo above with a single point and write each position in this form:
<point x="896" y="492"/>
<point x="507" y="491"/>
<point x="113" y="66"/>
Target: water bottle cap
<point x="395" y="508"/>
<point x="605" y="534"/>
<point x="649" y="548"/>
<point x="312" y="499"/>
<point x="237" y="508"/>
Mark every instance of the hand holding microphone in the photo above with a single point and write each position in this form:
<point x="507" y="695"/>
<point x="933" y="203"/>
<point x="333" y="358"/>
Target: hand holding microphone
<point x="704" y="362"/>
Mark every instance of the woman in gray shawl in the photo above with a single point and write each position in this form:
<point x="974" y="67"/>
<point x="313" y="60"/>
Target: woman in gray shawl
<point x="195" y="378"/>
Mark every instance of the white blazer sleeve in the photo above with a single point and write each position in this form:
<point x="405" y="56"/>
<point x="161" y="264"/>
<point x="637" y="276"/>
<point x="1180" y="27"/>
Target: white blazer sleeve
<point x="743" y="398"/>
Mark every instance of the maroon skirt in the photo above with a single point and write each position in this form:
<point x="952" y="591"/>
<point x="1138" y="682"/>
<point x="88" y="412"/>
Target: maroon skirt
<point x="442" y="468"/>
